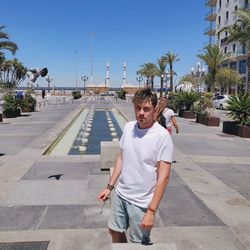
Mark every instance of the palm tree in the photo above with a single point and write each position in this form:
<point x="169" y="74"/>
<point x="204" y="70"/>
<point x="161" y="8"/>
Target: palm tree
<point x="149" y="70"/>
<point x="213" y="57"/>
<point x="240" y="32"/>
<point x="5" y="44"/>
<point x="12" y="72"/>
<point x="162" y="63"/>
<point x="171" y="58"/>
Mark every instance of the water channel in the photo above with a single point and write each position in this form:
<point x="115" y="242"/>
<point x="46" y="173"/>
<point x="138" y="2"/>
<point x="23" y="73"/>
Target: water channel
<point x="87" y="130"/>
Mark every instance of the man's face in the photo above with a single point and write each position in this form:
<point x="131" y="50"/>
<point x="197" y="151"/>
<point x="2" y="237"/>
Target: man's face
<point x="144" y="113"/>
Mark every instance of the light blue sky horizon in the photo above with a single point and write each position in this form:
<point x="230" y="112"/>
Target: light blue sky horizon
<point x="133" y="31"/>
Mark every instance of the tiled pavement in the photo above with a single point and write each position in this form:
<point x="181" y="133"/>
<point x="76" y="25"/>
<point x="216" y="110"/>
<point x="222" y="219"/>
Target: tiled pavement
<point x="206" y="205"/>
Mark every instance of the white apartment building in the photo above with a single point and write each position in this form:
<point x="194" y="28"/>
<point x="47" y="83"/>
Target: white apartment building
<point x="220" y="15"/>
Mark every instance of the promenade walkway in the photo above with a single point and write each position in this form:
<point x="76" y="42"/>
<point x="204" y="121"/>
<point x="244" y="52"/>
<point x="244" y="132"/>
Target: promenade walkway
<point x="206" y="205"/>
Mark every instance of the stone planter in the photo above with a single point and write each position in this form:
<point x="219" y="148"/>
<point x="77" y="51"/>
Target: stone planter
<point x="188" y="114"/>
<point x="209" y="120"/>
<point x="31" y="108"/>
<point x="12" y="113"/>
<point x="198" y="118"/>
<point x="181" y="112"/>
<point x="234" y="128"/>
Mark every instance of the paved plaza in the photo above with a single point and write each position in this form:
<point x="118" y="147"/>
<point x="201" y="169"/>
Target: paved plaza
<point x="206" y="204"/>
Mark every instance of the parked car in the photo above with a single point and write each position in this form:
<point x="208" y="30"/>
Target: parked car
<point x="220" y="101"/>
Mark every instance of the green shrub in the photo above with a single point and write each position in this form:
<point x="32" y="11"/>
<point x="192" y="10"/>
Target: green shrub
<point x="204" y="106"/>
<point x="12" y="104"/>
<point x="239" y="107"/>
<point x="76" y="94"/>
<point x="187" y="99"/>
<point x="173" y="101"/>
<point x="31" y="101"/>
<point x="122" y="94"/>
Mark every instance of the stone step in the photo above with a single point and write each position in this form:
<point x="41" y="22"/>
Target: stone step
<point x="155" y="246"/>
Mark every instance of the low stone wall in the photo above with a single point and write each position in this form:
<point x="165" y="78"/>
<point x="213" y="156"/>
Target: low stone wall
<point x="109" y="152"/>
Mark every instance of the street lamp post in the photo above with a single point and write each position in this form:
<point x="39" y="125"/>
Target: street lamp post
<point x="166" y="78"/>
<point x="139" y="79"/>
<point x="76" y="71"/>
<point x="84" y="78"/>
<point x="198" y="72"/>
<point x="49" y="79"/>
<point x="91" y="56"/>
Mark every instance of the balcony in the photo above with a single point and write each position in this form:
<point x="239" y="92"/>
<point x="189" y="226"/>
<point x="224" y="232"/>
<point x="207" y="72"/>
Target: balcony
<point x="211" y="2"/>
<point x="211" y="16"/>
<point x="210" y="31"/>
<point x="223" y="41"/>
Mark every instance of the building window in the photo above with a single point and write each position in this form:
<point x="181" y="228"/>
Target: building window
<point x="226" y="33"/>
<point x="219" y="19"/>
<point x="225" y="50"/>
<point x="246" y="4"/>
<point x="220" y="4"/>
<point x="234" y="48"/>
<point x="233" y="65"/>
<point x="243" y="67"/>
<point x="227" y="15"/>
<point x="244" y="49"/>
<point x="235" y="7"/>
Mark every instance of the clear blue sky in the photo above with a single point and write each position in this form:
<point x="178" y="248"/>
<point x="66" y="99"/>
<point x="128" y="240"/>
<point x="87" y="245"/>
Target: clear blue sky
<point x="48" y="33"/>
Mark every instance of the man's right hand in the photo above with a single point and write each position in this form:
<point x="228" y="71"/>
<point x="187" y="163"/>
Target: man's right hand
<point x="103" y="196"/>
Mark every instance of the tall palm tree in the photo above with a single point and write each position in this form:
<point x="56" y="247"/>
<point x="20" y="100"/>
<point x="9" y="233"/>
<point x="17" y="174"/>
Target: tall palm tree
<point x="171" y="58"/>
<point x="240" y="32"/>
<point x="149" y="70"/>
<point x="5" y="44"/>
<point x="162" y="63"/>
<point x="213" y="57"/>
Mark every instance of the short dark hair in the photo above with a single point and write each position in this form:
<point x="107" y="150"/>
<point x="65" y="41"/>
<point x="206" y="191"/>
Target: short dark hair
<point x="145" y="94"/>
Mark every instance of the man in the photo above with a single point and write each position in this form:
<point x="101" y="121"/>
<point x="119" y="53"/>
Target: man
<point x="143" y="166"/>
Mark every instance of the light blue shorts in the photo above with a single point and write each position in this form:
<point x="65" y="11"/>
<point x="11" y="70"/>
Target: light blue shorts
<point x="124" y="215"/>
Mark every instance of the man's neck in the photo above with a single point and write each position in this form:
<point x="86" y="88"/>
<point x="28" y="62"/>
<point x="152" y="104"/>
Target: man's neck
<point x="147" y="126"/>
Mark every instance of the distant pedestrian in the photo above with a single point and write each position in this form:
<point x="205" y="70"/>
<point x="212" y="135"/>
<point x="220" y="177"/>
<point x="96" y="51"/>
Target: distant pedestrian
<point x="168" y="114"/>
<point x="19" y="95"/>
<point x="143" y="169"/>
<point x="43" y="93"/>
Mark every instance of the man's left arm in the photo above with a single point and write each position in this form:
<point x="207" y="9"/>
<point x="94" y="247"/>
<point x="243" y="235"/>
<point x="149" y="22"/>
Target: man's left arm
<point x="163" y="171"/>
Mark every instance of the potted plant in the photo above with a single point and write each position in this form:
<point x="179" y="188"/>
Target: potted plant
<point x="239" y="107"/>
<point x="12" y="105"/>
<point x="185" y="101"/>
<point x="31" y="102"/>
<point x="76" y="94"/>
<point x="204" y="111"/>
<point x="173" y="101"/>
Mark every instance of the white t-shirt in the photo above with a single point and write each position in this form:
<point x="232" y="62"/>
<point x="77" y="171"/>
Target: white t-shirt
<point x="142" y="149"/>
<point x="168" y="114"/>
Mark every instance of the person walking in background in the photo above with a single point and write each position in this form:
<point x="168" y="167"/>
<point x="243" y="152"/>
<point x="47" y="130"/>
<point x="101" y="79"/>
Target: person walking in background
<point x="143" y="168"/>
<point x="43" y="93"/>
<point x="164" y="112"/>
